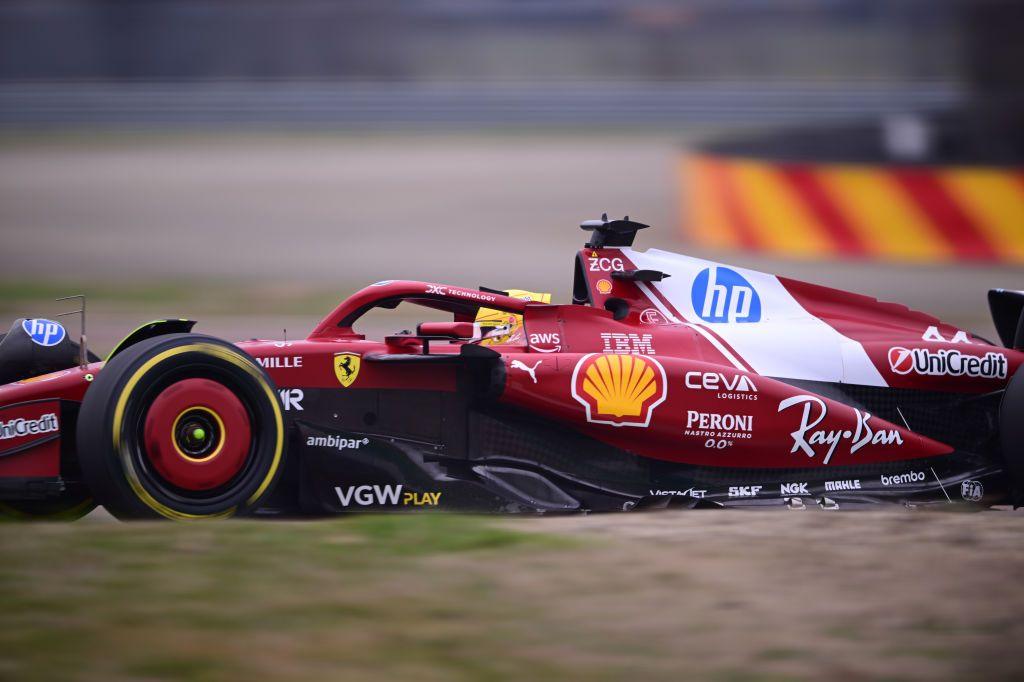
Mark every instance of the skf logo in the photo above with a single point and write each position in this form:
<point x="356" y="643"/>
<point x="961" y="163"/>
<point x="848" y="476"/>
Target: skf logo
<point x="620" y="390"/>
<point x="744" y="490"/>
<point x="724" y="295"/>
<point x="346" y="368"/>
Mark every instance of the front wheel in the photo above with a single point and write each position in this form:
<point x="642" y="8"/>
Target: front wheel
<point x="181" y="426"/>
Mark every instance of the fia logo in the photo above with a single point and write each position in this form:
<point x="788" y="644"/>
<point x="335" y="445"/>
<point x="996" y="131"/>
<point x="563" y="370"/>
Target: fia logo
<point x="972" y="491"/>
<point x="723" y="295"/>
<point x="44" y="332"/>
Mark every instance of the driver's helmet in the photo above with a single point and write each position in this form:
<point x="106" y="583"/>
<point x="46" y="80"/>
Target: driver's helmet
<point x="507" y="328"/>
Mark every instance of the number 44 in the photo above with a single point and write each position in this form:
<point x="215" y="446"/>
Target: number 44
<point x="933" y="334"/>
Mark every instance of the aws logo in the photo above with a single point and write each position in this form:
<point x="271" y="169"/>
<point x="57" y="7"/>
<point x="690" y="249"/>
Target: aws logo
<point x="724" y="295"/>
<point x="620" y="390"/>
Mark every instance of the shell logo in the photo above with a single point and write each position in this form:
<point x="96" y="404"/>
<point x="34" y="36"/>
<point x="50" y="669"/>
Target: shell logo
<point x="620" y="390"/>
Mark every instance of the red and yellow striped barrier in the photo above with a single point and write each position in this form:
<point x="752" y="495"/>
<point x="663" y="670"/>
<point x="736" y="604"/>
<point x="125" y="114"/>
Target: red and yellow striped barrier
<point x="912" y="213"/>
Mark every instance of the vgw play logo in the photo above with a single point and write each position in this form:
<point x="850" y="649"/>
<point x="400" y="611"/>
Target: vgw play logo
<point x="44" y="332"/>
<point x="724" y="295"/>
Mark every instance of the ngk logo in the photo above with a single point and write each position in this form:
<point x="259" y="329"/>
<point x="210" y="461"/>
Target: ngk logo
<point x="947" y="362"/>
<point x="793" y="489"/>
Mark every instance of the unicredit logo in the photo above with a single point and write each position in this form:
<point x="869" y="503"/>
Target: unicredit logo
<point x="16" y="428"/>
<point x="947" y="362"/>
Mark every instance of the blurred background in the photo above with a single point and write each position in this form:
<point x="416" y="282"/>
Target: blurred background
<point x="217" y="159"/>
<point x="249" y="163"/>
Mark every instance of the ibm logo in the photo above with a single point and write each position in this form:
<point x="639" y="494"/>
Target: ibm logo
<point x="724" y="295"/>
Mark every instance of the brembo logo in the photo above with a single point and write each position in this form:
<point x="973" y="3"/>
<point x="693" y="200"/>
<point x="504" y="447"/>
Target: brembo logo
<point x="947" y="362"/>
<point x="17" y="428"/>
<point x="903" y="479"/>
<point x="620" y="390"/>
<point x="723" y="295"/>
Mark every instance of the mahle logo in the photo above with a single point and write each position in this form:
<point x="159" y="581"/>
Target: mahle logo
<point x="620" y="390"/>
<point x="721" y="294"/>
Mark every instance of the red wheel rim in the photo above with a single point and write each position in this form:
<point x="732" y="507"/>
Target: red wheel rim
<point x="197" y="434"/>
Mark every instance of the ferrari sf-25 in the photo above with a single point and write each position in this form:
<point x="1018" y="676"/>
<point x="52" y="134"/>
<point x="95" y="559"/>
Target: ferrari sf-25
<point x="667" y="381"/>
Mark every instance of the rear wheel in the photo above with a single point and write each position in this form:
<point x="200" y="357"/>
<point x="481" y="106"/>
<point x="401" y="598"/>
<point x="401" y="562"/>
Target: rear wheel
<point x="181" y="426"/>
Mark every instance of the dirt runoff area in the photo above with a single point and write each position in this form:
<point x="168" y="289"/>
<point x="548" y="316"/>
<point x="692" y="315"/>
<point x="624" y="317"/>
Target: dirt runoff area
<point x="717" y="595"/>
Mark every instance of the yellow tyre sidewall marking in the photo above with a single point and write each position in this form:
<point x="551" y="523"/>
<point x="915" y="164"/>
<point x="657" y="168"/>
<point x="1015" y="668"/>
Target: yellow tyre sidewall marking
<point x="129" y="468"/>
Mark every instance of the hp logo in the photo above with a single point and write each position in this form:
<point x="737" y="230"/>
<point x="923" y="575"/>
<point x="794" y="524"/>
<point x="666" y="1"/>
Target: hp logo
<point x="723" y="295"/>
<point x="44" y="332"/>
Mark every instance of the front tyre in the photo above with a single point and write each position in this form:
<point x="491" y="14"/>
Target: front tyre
<point x="181" y="426"/>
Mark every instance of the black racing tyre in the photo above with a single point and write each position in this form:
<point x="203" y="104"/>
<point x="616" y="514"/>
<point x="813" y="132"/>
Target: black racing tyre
<point x="70" y="507"/>
<point x="1011" y="433"/>
<point x="182" y="426"/>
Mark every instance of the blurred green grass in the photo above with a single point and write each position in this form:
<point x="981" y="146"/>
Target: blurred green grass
<point x="364" y="597"/>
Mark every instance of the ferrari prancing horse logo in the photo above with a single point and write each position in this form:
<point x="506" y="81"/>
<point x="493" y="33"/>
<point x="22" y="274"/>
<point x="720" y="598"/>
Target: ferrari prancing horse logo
<point x="346" y="368"/>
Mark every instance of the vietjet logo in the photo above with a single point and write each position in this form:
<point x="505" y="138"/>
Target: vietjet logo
<point x="620" y="390"/>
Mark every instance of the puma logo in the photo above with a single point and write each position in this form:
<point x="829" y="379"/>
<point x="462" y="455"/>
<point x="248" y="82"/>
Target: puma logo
<point x="516" y="364"/>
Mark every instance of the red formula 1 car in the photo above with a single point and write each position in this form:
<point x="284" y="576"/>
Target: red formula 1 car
<point x="668" y="381"/>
